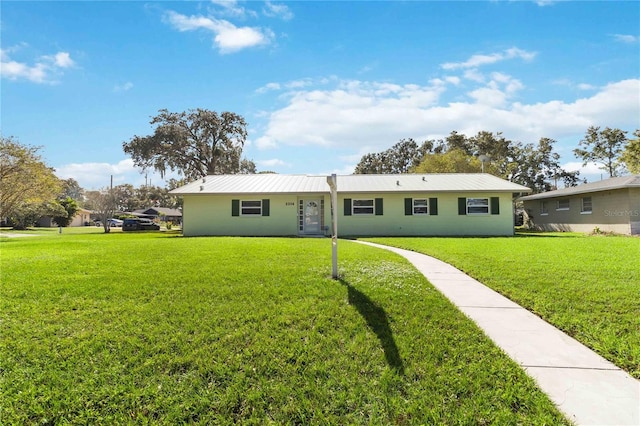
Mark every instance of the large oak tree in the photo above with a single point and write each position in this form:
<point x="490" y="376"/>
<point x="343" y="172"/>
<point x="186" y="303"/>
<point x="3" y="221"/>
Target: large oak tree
<point x="194" y="143"/>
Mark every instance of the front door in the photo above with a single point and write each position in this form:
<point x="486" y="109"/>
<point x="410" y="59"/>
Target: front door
<point x="311" y="217"/>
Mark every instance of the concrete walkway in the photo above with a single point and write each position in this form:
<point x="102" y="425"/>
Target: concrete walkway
<point x="588" y="389"/>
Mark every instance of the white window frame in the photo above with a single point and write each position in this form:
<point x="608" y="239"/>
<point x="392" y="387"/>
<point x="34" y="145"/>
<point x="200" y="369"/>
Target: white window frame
<point x="416" y="207"/>
<point x="583" y="209"/>
<point x="363" y="210"/>
<point x="256" y="208"/>
<point x="477" y="205"/>
<point x="558" y="208"/>
<point x="544" y="208"/>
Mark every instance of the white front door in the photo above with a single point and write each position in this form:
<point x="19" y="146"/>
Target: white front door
<point x="311" y="217"/>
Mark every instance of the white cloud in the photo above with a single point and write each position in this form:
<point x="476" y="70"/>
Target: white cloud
<point x="227" y="37"/>
<point x="626" y="38"/>
<point x="356" y="114"/>
<point x="272" y="163"/>
<point x="97" y="175"/>
<point x="474" y="75"/>
<point x="44" y="70"/>
<point x="480" y="60"/>
<point x="123" y="87"/>
<point x="568" y="83"/>
<point x="265" y="142"/>
<point x="277" y="10"/>
<point x="585" y="86"/>
<point x="93" y="176"/>
<point x="591" y="171"/>
<point x="61" y="59"/>
<point x="268" y="88"/>
<point x="295" y="84"/>
<point x="231" y="8"/>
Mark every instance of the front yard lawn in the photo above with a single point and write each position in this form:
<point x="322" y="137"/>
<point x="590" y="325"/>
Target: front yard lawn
<point x="588" y="286"/>
<point x="156" y="328"/>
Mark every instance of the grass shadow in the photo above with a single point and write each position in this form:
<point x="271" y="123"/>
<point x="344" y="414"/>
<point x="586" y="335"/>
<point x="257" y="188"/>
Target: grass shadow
<point x="378" y="322"/>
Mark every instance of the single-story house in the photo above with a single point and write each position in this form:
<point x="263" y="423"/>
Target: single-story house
<point x="82" y="218"/>
<point x="611" y="205"/>
<point x="164" y="213"/>
<point x="368" y="205"/>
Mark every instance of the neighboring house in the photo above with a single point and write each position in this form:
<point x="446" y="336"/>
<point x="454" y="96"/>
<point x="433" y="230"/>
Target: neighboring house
<point x="82" y="218"/>
<point x="611" y="205"/>
<point x="163" y="213"/>
<point x="291" y="205"/>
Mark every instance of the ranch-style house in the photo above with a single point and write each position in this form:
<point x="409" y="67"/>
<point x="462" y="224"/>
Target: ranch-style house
<point x="368" y="205"/>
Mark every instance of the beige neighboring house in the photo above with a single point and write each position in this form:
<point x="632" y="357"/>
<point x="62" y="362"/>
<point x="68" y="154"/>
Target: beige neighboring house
<point x="610" y="205"/>
<point x="368" y="205"/>
<point x="82" y="218"/>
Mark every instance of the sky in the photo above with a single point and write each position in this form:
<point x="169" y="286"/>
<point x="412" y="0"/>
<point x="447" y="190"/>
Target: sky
<point x="320" y="83"/>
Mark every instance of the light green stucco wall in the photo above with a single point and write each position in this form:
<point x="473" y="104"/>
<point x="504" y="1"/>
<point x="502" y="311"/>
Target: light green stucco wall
<point x="447" y="222"/>
<point x="211" y="215"/>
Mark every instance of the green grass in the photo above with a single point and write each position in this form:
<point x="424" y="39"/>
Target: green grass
<point x="154" y="328"/>
<point x="588" y="286"/>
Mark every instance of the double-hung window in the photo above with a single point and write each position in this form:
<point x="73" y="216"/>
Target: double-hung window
<point x="477" y="206"/>
<point x="420" y="206"/>
<point x="563" y="204"/>
<point x="363" y="207"/>
<point x="587" y="206"/>
<point x="250" y="208"/>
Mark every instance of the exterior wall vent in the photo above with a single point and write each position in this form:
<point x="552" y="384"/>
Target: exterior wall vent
<point x="201" y="187"/>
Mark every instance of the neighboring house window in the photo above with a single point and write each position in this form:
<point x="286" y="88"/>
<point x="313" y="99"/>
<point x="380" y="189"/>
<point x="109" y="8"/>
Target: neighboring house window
<point x="421" y="206"/>
<point x="587" y="207"/>
<point x="250" y="208"/>
<point x="363" y="207"/>
<point x="477" y="206"/>
<point x="544" y="207"/>
<point x="563" y="204"/>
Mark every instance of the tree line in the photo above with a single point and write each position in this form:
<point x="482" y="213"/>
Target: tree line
<point x="193" y="143"/>
<point x="536" y="166"/>
<point x="29" y="190"/>
<point x="201" y="142"/>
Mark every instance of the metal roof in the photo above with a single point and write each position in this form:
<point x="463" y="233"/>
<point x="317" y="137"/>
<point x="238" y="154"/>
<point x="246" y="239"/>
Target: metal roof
<point x="296" y="184"/>
<point x="621" y="182"/>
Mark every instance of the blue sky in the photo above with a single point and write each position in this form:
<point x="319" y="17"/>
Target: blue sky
<point x="319" y="83"/>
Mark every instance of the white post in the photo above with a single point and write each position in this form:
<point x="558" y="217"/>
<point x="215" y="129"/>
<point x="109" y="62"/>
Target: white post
<point x="333" y="184"/>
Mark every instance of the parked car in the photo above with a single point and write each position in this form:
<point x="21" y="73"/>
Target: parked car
<point x="113" y="223"/>
<point x="139" y="224"/>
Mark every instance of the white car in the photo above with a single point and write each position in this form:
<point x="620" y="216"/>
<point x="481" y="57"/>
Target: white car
<point x="113" y="223"/>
